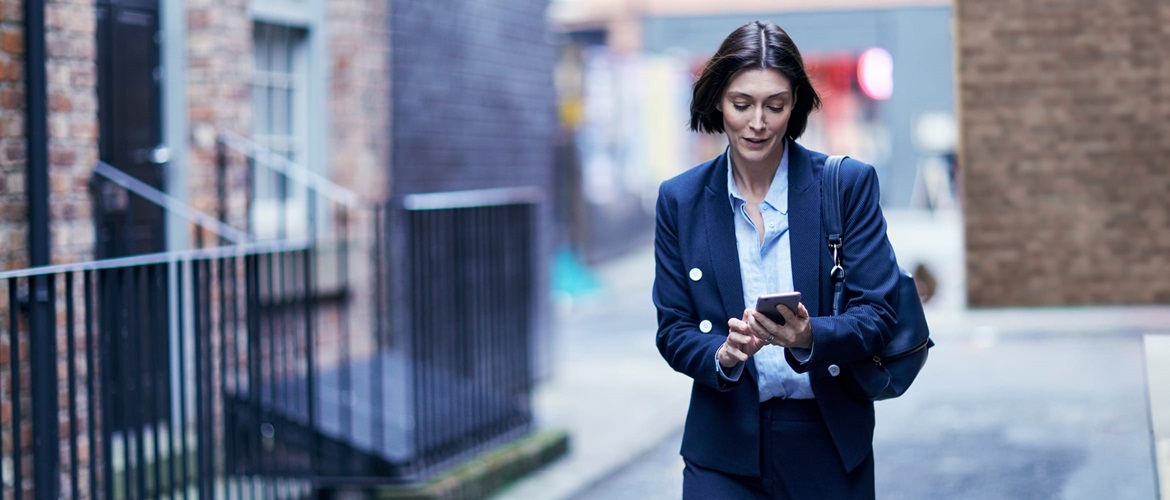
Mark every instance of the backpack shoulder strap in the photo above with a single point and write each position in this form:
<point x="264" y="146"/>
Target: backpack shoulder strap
<point x="831" y="198"/>
<point x="831" y="217"/>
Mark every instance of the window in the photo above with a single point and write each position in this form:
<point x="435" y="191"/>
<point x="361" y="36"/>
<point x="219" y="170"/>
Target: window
<point x="279" y="102"/>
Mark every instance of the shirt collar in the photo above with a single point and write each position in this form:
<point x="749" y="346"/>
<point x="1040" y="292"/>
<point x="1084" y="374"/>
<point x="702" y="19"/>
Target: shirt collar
<point x="777" y="195"/>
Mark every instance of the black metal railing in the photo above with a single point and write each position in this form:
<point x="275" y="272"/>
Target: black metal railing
<point x="436" y="365"/>
<point x="471" y="286"/>
<point x="132" y="431"/>
<point x="389" y="344"/>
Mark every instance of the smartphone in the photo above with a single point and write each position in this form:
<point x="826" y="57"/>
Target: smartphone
<point x="767" y="303"/>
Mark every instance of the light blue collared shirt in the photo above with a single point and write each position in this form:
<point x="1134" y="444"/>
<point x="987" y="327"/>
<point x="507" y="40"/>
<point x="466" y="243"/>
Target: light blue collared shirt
<point x="767" y="268"/>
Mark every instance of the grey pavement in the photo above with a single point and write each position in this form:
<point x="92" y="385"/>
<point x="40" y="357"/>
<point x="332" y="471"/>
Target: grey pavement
<point x="1013" y="403"/>
<point x="609" y="387"/>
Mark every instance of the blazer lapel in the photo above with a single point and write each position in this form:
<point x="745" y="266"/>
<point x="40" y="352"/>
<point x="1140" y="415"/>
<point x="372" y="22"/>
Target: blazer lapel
<point x="804" y="221"/>
<point x="721" y="245"/>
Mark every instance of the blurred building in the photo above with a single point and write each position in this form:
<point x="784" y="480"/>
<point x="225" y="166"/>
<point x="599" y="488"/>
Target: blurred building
<point x="397" y="154"/>
<point x="884" y="68"/>
<point x="1065" y="117"/>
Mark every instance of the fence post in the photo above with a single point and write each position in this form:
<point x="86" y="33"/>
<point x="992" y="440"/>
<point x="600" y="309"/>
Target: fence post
<point x="42" y="330"/>
<point x="45" y="418"/>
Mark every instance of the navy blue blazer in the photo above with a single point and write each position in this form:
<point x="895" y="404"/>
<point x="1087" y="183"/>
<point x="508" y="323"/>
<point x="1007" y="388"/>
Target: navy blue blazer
<point x="695" y="230"/>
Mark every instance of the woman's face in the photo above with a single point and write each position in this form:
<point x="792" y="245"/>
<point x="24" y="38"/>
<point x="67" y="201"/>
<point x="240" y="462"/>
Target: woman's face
<point x="756" y="106"/>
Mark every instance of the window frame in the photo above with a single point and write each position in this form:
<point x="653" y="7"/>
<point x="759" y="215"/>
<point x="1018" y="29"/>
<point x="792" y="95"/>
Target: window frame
<point x="305" y="18"/>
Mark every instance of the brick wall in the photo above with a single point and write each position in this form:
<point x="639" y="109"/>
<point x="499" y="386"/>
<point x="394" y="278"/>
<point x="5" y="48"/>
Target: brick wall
<point x="73" y="128"/>
<point x="73" y="125"/>
<point x="70" y="51"/>
<point x="219" y="78"/>
<point x="1065" y="112"/>
<point x="473" y="95"/>
<point x="473" y="107"/>
<point x="359" y="96"/>
<point x="359" y="140"/>
<point x="13" y="207"/>
<point x="219" y="57"/>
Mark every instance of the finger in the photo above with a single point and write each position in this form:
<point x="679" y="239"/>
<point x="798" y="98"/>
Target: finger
<point x="758" y="343"/>
<point x="801" y="312"/>
<point x="737" y="325"/>
<point x="787" y="313"/>
<point x="739" y="339"/>
<point x="761" y="325"/>
<point x="747" y="344"/>
<point x="763" y="334"/>
<point x="735" y="352"/>
<point x="763" y="319"/>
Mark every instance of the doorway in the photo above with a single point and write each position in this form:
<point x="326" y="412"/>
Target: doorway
<point x="130" y="139"/>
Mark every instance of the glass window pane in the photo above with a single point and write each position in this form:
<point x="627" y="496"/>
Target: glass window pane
<point x="275" y="97"/>
<point x="260" y="121"/>
<point x="280" y="114"/>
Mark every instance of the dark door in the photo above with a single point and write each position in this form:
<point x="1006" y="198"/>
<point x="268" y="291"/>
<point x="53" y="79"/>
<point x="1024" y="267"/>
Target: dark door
<point x="133" y="314"/>
<point x="129" y="103"/>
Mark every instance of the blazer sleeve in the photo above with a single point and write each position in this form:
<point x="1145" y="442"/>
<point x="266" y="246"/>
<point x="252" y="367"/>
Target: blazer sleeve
<point x="681" y="343"/>
<point x="871" y="279"/>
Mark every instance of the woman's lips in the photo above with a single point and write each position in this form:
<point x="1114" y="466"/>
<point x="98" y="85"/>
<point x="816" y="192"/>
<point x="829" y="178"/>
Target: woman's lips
<point x="754" y="143"/>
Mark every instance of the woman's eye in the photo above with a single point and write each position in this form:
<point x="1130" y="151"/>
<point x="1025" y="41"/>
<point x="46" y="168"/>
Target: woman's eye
<point x="776" y="109"/>
<point x="741" y="107"/>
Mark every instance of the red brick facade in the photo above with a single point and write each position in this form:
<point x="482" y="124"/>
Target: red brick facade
<point x="13" y="207"/>
<point x="218" y="85"/>
<point x="218" y="77"/>
<point x="71" y="49"/>
<point x="1064" y="114"/>
<point x="359" y="96"/>
<point x="73" y="130"/>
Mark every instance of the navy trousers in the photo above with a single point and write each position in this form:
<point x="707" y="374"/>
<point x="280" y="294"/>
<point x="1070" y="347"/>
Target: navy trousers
<point x="798" y="461"/>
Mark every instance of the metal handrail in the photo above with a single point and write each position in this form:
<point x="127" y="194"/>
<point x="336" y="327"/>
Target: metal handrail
<point x="163" y="257"/>
<point x="291" y="170"/>
<point x="473" y="198"/>
<point x="170" y="203"/>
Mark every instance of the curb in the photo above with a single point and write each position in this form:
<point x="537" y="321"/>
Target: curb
<point x="486" y="473"/>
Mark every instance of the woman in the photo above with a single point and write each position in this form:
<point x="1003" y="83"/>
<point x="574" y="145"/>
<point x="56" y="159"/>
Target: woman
<point x="770" y="414"/>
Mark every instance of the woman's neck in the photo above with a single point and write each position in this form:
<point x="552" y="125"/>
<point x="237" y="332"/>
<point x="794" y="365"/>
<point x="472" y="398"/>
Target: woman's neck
<point x="755" y="178"/>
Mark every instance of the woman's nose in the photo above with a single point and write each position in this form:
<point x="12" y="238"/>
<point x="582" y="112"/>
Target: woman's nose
<point x="757" y="121"/>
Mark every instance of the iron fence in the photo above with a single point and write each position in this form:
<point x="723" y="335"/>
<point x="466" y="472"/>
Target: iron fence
<point x="385" y="346"/>
<point x="471" y="285"/>
<point x="145" y="380"/>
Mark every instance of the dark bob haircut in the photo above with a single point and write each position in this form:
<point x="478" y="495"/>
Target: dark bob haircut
<point x="755" y="45"/>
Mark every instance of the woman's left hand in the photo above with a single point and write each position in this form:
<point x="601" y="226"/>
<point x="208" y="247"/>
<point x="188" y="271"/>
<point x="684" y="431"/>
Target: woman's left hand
<point x="795" y="332"/>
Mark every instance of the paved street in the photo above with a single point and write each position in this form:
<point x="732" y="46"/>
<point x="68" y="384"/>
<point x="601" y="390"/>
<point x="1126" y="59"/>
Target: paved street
<point x="1014" y="403"/>
<point x="1016" y="418"/>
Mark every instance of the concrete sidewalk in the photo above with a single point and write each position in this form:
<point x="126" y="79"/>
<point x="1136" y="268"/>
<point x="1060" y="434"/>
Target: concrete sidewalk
<point x="609" y="388"/>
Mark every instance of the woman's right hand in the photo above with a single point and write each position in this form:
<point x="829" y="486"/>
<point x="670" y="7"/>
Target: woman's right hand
<point x="740" y="345"/>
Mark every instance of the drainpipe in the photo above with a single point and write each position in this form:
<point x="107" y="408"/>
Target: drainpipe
<point x="42" y="330"/>
<point x="36" y="107"/>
